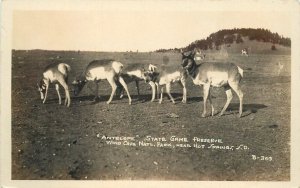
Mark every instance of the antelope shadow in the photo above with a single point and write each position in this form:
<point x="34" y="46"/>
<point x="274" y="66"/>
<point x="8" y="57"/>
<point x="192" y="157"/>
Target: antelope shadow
<point x="104" y="98"/>
<point x="194" y="99"/>
<point x="142" y="98"/>
<point x="247" y="108"/>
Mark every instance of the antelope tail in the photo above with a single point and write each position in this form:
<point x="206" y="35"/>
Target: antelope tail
<point x="117" y="66"/>
<point x="68" y="67"/>
<point x="241" y="71"/>
<point x="64" y="68"/>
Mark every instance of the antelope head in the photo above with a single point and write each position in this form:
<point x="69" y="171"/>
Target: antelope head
<point x="42" y="88"/>
<point x="78" y="85"/>
<point x="188" y="60"/>
<point x="150" y="76"/>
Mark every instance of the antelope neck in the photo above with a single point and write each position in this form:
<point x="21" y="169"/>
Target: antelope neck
<point x="192" y="69"/>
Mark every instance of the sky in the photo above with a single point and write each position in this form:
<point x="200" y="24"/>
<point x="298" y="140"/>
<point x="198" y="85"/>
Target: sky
<point x="126" y="30"/>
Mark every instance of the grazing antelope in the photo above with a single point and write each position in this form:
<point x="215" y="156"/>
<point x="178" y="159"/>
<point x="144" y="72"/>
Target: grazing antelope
<point x="245" y="52"/>
<point x="167" y="77"/>
<point x="56" y="73"/>
<point x="216" y="75"/>
<point x="135" y="73"/>
<point x="98" y="70"/>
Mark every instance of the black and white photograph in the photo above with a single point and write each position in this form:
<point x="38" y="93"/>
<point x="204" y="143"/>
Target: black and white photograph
<point x="151" y="91"/>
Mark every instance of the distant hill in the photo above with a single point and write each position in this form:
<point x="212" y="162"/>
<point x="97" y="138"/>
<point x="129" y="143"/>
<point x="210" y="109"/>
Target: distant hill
<point x="236" y="39"/>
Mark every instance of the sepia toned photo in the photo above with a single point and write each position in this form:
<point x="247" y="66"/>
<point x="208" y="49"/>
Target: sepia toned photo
<point x="150" y="92"/>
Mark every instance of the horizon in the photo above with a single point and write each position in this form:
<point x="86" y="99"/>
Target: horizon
<point x="132" y="30"/>
<point x="43" y="49"/>
<point x="142" y="51"/>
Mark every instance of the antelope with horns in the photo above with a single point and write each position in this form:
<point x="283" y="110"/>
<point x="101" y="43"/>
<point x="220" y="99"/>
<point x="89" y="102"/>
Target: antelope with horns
<point x="56" y="73"/>
<point x="165" y="77"/>
<point x="214" y="74"/>
<point x="98" y="70"/>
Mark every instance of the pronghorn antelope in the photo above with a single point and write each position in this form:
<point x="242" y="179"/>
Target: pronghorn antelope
<point x="56" y="73"/>
<point x="98" y="70"/>
<point x="167" y="77"/>
<point x="135" y="72"/>
<point x="245" y="52"/>
<point x="217" y="75"/>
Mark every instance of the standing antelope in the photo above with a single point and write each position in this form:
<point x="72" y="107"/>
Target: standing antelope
<point x="217" y="75"/>
<point x="166" y="77"/>
<point x="98" y="70"/>
<point x="56" y="73"/>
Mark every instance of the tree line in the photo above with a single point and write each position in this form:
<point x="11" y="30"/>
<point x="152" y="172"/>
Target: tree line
<point x="230" y="36"/>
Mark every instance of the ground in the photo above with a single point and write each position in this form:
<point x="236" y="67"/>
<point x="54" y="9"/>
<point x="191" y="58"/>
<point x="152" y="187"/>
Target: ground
<point x="51" y="141"/>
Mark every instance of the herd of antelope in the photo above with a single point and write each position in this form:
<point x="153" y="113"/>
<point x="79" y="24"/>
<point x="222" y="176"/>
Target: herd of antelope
<point x="206" y="74"/>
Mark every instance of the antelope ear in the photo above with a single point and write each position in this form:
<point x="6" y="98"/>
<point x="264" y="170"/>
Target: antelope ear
<point x="182" y="53"/>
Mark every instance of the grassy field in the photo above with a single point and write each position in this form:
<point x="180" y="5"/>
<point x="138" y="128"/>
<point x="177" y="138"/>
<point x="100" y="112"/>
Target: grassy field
<point x="50" y="141"/>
